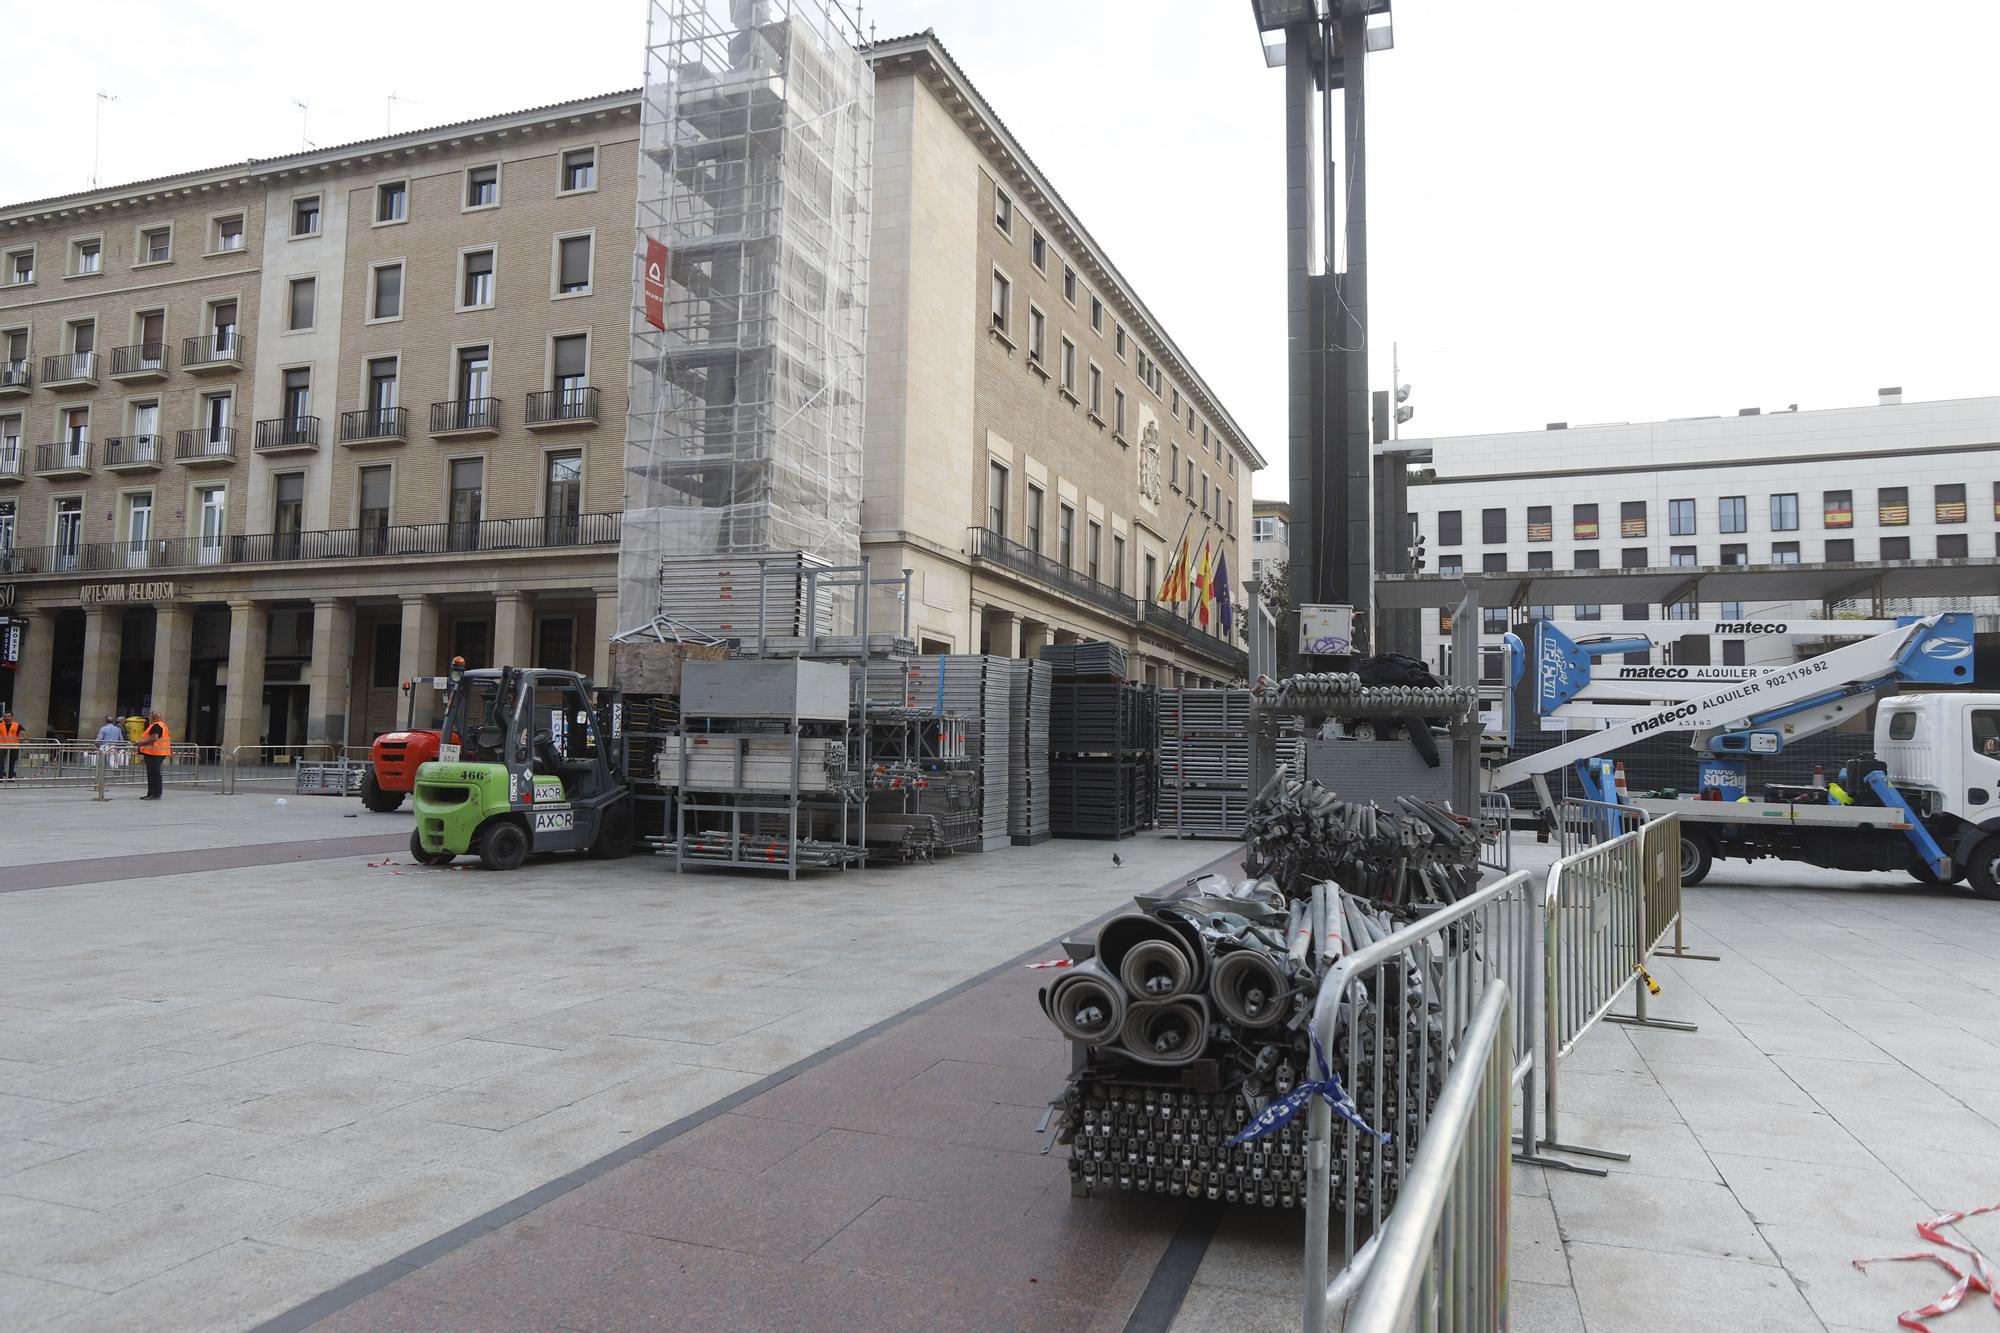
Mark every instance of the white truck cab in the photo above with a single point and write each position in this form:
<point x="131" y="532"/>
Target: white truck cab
<point x="1943" y="751"/>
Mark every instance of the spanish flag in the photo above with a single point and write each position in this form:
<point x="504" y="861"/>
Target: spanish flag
<point x="1204" y="586"/>
<point x="1174" y="588"/>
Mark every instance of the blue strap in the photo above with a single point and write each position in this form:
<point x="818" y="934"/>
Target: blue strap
<point x="1284" y="1110"/>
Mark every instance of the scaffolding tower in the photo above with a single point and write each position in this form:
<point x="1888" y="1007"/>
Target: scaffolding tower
<point x="744" y="430"/>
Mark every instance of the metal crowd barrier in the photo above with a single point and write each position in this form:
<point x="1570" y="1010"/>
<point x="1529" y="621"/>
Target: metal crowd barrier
<point x="1582" y="823"/>
<point x="51" y="764"/>
<point x="1444" y="962"/>
<point x="1496" y="831"/>
<point x="270" y="766"/>
<point x="1441" y="1262"/>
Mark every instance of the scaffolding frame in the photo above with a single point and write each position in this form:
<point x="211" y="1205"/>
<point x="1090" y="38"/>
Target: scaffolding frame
<point x="744" y="431"/>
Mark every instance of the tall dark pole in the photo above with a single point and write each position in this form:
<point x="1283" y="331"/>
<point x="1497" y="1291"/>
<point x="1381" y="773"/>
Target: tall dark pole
<point x="1356" y="456"/>
<point x="1304" y="321"/>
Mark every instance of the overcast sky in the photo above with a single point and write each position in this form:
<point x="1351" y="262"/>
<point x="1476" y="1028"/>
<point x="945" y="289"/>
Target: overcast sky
<point x="1580" y="211"/>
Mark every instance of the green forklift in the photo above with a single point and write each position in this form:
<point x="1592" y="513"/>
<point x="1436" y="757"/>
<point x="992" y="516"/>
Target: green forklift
<point x="528" y="761"/>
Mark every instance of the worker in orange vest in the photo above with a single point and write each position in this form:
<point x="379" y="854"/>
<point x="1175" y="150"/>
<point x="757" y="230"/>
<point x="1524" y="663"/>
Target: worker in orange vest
<point x="10" y="744"/>
<point x="155" y="744"/>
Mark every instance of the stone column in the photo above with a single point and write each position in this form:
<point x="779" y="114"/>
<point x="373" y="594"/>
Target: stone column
<point x="513" y="629"/>
<point x="420" y="636"/>
<point x="103" y="641"/>
<point x="34" y="672"/>
<point x="1006" y="634"/>
<point x="243" y="709"/>
<point x="607" y="625"/>
<point x="332" y="671"/>
<point x="173" y="642"/>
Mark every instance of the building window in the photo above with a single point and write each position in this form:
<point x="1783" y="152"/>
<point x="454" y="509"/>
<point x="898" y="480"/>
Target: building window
<point x="1151" y="586"/>
<point x="1069" y="284"/>
<point x="1117" y="563"/>
<point x="1093" y="549"/>
<point x="1204" y="492"/>
<point x="1449" y="528"/>
<point x="372" y="490"/>
<point x="996" y="497"/>
<point x="579" y="170"/>
<point x="1680" y="518"/>
<point x="482" y="186"/>
<point x="1117" y="411"/>
<point x="468" y="488"/>
<point x="1003" y="300"/>
<point x="1632" y="518"/>
<point x="305" y="216"/>
<point x="572" y="265"/>
<point x="1038" y="249"/>
<point x="227" y="235"/>
<point x="1895" y="548"/>
<point x="1095" y="399"/>
<point x="156" y="245"/>
<point x="1003" y="211"/>
<point x="304" y="293"/>
<point x="1583" y="523"/>
<point x="87" y="257"/>
<point x="1065" y="534"/>
<point x="1118" y="340"/>
<point x="1035" y="501"/>
<point x="475" y="383"/>
<point x="1953" y="546"/>
<point x="1840" y="550"/>
<point x="1584" y="559"/>
<point x="1729" y="610"/>
<point x="1174" y="465"/>
<point x="1541" y="526"/>
<point x="1037" y="332"/>
<point x="1837" y="509"/>
<point x="392" y="201"/>
<point x="1175" y="409"/>
<point x="562" y="497"/>
<point x="1732" y="513"/>
<point x="1096" y="315"/>
<point x="1190" y="481"/>
<point x="569" y="372"/>
<point x="1950" y="501"/>
<point x="1069" y="366"/>
<point x="20" y="268"/>
<point x="383" y="376"/>
<point x="1589" y="611"/>
<point x="1784" y="553"/>
<point x="1732" y="649"/>
<point x="1892" y="506"/>
<point x="476" y="280"/>
<point x="1633" y="557"/>
<point x="1681" y="557"/>
<point x="387" y="294"/>
<point x="1735" y="553"/>
<point x="1493" y="562"/>
<point x="1541" y="560"/>
<point x="1493" y="620"/>
<point x="1493" y="526"/>
<point x="1453" y="564"/>
<point x="288" y="510"/>
<point x="1784" y="513"/>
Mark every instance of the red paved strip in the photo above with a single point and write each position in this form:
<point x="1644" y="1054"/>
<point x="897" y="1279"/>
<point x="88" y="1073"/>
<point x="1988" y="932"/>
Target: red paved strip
<point x="110" y="869"/>
<point x="898" y="1185"/>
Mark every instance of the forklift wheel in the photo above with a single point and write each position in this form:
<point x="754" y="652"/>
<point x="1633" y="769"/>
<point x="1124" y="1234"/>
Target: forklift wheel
<point x="615" y="834"/>
<point x="503" y="846"/>
<point x="1985" y="873"/>
<point x="374" y="798"/>
<point x="424" y="857"/>
<point x="1696" y="858"/>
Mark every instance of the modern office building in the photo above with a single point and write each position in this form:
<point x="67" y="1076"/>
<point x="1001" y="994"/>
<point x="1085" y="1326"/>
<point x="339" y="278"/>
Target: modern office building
<point x="277" y="436"/>
<point x="1850" y="490"/>
<point x="1270" y="538"/>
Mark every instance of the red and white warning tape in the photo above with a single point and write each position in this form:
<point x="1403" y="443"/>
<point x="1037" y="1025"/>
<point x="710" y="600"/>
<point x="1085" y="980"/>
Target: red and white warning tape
<point x="1977" y="1275"/>
<point x="1051" y="962"/>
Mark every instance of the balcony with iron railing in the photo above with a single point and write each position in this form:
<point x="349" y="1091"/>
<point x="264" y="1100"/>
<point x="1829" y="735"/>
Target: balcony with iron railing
<point x="375" y="425"/>
<point x="286" y="435"/>
<point x="70" y="370"/>
<point x="133" y="453"/>
<point x="488" y="536"/>
<point x="141" y="364"/>
<point x="11" y="462"/>
<point x="206" y="446"/>
<point x="16" y="378"/>
<point x="562" y="409"/>
<point x="465" y="417"/>
<point x="1192" y="637"/>
<point x="991" y="548"/>
<point x="212" y="353"/>
<point x="62" y="460"/>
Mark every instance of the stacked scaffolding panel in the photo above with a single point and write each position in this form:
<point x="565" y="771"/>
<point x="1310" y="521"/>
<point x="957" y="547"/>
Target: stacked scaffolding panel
<point x="1028" y="791"/>
<point x="972" y="802"/>
<point x="1102" y="744"/>
<point x="1205" y="753"/>
<point x="744" y="424"/>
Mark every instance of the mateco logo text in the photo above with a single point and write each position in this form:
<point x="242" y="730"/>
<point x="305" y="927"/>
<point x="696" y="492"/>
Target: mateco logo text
<point x="1742" y="628"/>
<point x="1947" y="650"/>
<point x="1658" y="720"/>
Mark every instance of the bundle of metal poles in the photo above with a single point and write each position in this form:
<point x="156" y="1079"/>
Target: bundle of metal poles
<point x="1300" y="834"/>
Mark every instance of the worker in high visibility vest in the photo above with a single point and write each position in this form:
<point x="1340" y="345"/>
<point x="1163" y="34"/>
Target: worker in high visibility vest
<point x="155" y="744"/>
<point x="10" y="744"/>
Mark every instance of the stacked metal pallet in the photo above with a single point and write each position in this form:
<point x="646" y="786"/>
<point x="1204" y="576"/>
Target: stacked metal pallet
<point x="1028" y="784"/>
<point x="975" y="689"/>
<point x="1205" y="762"/>
<point x="736" y="597"/>
<point x="1094" y="659"/>
<point x="1101" y="744"/>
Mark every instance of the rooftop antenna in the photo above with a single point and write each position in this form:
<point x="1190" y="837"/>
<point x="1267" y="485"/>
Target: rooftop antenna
<point x="97" y="134"/>
<point x="304" y="110"/>
<point x="389" y="114"/>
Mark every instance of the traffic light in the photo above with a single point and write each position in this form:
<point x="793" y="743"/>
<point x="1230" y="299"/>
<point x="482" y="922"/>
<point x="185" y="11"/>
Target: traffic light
<point x="1403" y="411"/>
<point x="1416" y="550"/>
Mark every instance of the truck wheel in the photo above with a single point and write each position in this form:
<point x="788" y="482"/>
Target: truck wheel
<point x="1696" y="857"/>
<point x="423" y="856"/>
<point x="503" y="846"/>
<point x="615" y="834"/>
<point x="374" y="798"/>
<point x="1984" y="873"/>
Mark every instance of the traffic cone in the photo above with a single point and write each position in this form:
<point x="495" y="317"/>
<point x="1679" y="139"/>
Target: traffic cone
<point x="1623" y="794"/>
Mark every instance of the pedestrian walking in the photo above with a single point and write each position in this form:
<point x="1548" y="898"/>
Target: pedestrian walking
<point x="155" y="744"/>
<point x="10" y="745"/>
<point x="111" y="744"/>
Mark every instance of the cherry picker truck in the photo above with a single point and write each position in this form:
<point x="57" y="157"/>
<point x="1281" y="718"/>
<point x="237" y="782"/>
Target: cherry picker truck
<point x="1925" y="802"/>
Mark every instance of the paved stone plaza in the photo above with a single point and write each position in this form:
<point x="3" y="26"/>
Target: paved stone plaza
<point x="254" y="1066"/>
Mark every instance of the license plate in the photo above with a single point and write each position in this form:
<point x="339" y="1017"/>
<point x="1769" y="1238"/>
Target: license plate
<point x="554" y="821"/>
<point x="447" y="754"/>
